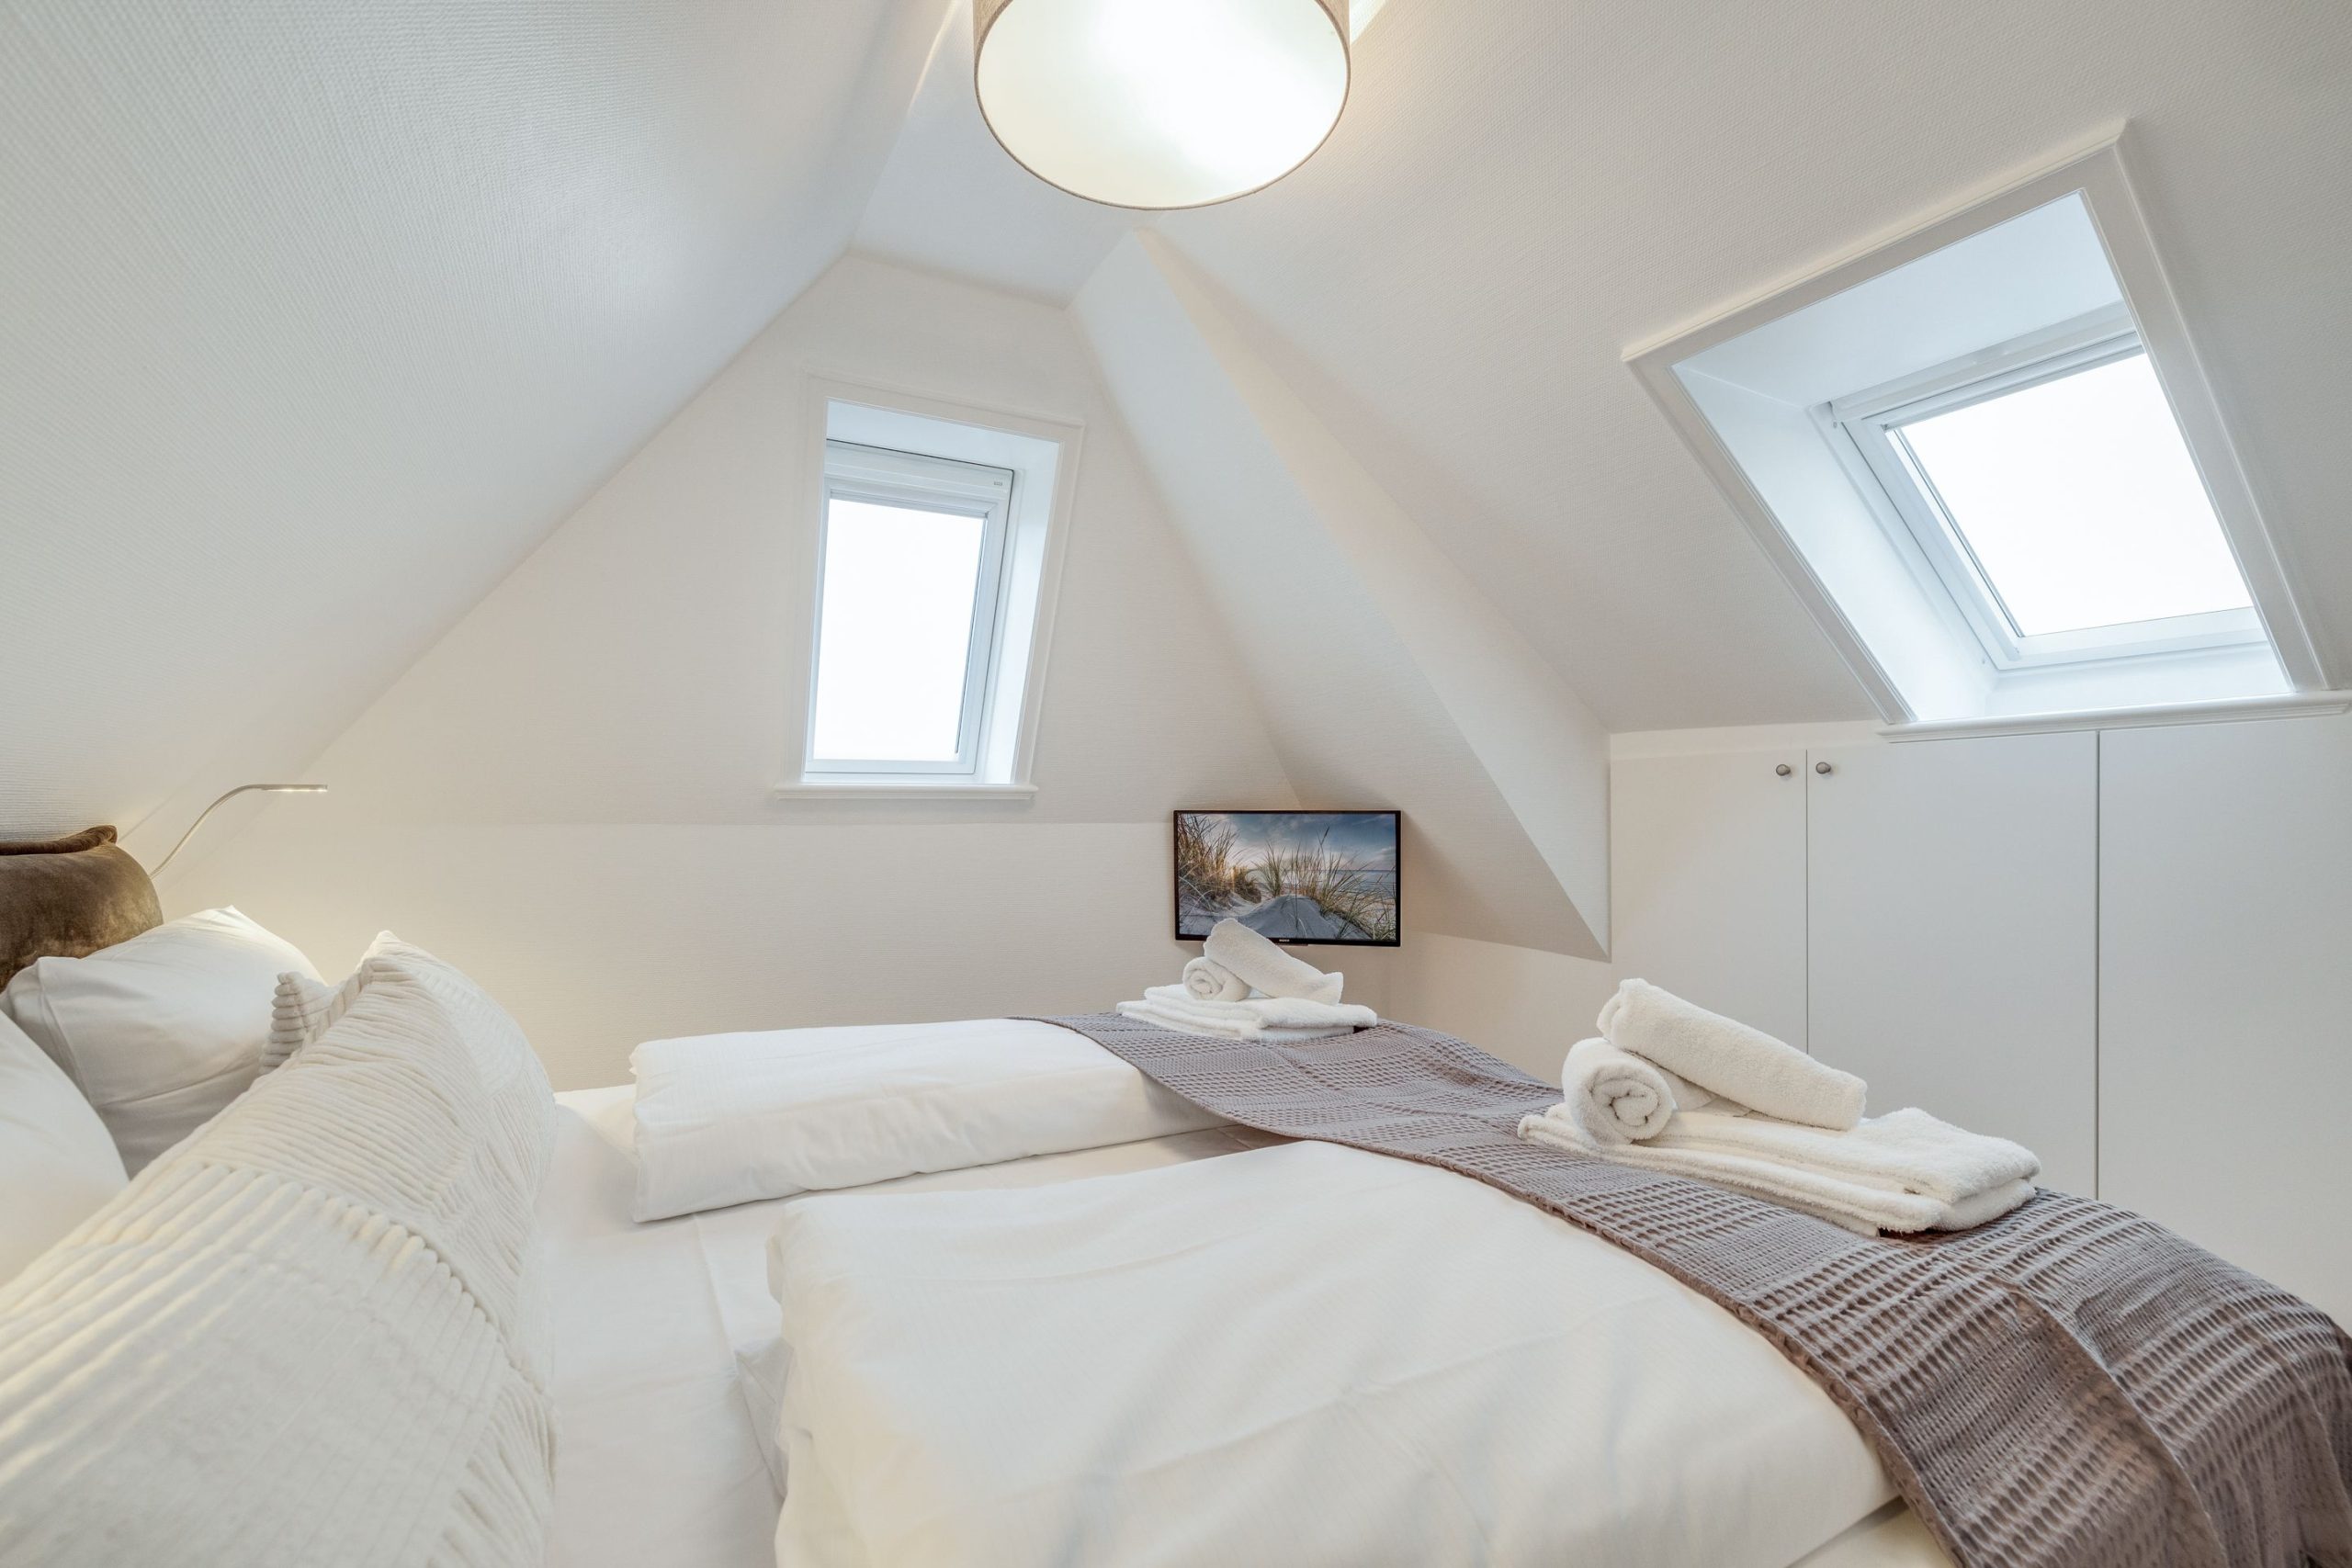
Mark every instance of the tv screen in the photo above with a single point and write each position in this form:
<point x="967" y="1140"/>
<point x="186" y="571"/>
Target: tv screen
<point x="1295" y="876"/>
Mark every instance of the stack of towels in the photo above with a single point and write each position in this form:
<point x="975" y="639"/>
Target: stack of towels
<point x="1244" y="988"/>
<point x="1674" y="1087"/>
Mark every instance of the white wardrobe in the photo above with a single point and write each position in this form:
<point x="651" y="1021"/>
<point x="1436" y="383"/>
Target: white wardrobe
<point x="2130" y="950"/>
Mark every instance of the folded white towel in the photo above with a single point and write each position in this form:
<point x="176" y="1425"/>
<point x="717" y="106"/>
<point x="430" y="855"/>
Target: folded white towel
<point x="1209" y="981"/>
<point x="1967" y="1213"/>
<point x="1728" y="1058"/>
<point x="1173" y="1006"/>
<point x="1905" y="1151"/>
<point x="1864" y="1185"/>
<point x="1259" y="963"/>
<point x="1257" y="1034"/>
<point x="1617" y="1096"/>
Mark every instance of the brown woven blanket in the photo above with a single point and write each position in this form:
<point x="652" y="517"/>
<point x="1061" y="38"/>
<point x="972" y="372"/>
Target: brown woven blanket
<point x="2071" y="1385"/>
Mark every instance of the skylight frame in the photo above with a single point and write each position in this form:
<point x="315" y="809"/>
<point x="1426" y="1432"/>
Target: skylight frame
<point x="1866" y="428"/>
<point x="885" y="477"/>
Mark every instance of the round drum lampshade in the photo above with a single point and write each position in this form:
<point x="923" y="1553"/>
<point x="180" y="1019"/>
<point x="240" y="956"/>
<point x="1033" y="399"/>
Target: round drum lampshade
<point x="1161" y="103"/>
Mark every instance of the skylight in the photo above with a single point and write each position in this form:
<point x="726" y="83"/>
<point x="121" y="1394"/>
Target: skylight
<point x="1984" y="455"/>
<point x="2046" y="483"/>
<point x="2077" y="500"/>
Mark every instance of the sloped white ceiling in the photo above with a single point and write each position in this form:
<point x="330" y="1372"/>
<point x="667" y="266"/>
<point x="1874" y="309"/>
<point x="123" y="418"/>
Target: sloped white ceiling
<point x="1521" y="191"/>
<point x="951" y="201"/>
<point x="317" y="315"/>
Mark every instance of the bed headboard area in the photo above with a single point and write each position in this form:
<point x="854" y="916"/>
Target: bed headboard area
<point x="68" y="898"/>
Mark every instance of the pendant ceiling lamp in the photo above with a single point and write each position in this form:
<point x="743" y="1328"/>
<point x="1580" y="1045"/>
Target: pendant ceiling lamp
<point x="1161" y="103"/>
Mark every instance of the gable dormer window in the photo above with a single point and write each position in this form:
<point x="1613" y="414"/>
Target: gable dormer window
<point x="939" y="535"/>
<point x="2047" y="484"/>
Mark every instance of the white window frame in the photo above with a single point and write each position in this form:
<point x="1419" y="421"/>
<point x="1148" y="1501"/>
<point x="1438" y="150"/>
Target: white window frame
<point x="889" y="478"/>
<point x="1866" y="430"/>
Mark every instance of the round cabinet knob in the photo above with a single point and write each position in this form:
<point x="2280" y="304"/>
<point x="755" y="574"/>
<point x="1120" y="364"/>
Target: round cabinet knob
<point x="1821" y="767"/>
<point x="1784" y="770"/>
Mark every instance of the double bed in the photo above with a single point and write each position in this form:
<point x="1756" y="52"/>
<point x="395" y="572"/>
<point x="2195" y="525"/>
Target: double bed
<point x="1003" y="1292"/>
<point x="1647" y="1424"/>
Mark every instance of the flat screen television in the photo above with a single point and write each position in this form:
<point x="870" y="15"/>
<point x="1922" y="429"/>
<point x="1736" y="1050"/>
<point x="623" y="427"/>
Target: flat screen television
<point x="1306" y="877"/>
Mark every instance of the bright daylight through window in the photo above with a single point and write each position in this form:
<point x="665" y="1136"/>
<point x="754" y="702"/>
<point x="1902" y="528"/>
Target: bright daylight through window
<point x="2078" y="501"/>
<point x="908" y="611"/>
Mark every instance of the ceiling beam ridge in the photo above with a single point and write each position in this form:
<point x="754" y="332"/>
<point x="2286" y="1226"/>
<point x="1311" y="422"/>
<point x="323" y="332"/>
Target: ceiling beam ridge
<point x="1540" y="748"/>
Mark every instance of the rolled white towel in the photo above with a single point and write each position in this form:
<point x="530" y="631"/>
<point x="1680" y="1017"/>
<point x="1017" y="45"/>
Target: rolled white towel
<point x="1615" y="1096"/>
<point x="1259" y="963"/>
<point x="1726" y="1057"/>
<point x="1210" y="981"/>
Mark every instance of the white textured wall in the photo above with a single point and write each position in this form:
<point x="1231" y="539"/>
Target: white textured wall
<point x="570" y="793"/>
<point x="319" y="316"/>
<point x="1525" y="1006"/>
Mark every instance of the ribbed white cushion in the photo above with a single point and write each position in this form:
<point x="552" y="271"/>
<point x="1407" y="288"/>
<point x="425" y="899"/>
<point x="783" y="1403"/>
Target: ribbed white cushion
<point x="58" y="1166"/>
<point x="312" y="1332"/>
<point x="301" y="1010"/>
<point x="159" y="1033"/>
<point x="304" y="1006"/>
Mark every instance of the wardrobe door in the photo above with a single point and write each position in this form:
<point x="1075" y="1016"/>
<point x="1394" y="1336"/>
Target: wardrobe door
<point x="1952" y="933"/>
<point x="2225" y="1021"/>
<point x="1707" y="875"/>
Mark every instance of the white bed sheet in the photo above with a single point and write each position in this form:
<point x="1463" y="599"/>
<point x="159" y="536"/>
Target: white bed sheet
<point x="656" y="1465"/>
<point x="656" y="1458"/>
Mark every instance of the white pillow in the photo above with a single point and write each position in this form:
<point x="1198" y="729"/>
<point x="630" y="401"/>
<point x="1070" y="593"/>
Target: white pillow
<point x="159" y="1033"/>
<point x="725" y="1119"/>
<point x="58" y="1166"/>
<point x="315" y="1331"/>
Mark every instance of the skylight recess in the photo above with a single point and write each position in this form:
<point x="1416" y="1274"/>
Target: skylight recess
<point x="1984" y="455"/>
<point x="2078" y="501"/>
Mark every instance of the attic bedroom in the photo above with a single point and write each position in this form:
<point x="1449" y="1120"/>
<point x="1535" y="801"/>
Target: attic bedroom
<point x="966" y="783"/>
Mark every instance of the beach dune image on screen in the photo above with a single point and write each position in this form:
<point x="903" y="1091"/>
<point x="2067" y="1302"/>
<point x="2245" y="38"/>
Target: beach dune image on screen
<point x="1306" y="877"/>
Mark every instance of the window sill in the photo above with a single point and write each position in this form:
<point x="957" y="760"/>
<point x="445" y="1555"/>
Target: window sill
<point x="901" y="789"/>
<point x="2223" y="711"/>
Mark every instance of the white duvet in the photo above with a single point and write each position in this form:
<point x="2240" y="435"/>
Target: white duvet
<point x="1303" y="1355"/>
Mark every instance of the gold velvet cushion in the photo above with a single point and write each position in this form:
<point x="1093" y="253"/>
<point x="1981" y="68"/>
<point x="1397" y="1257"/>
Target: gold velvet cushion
<point x="69" y="897"/>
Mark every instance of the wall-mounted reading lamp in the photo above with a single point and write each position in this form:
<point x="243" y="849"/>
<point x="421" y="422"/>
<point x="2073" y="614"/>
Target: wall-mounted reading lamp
<point x="241" y="789"/>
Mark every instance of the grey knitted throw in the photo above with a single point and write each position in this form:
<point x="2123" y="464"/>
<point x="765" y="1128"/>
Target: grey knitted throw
<point x="2070" y="1386"/>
